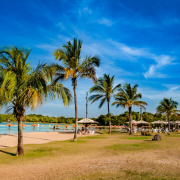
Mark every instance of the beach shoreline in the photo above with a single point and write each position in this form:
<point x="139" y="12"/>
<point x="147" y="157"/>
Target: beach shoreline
<point x="11" y="140"/>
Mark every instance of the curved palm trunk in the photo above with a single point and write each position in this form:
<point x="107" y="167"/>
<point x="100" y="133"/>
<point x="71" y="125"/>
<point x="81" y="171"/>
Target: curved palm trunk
<point x="76" y="116"/>
<point x="19" y="114"/>
<point x="130" y="122"/>
<point x="109" y="119"/>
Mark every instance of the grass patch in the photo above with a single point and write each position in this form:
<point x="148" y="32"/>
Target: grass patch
<point x="137" y="137"/>
<point x="133" y="147"/>
<point x="95" y="137"/>
<point x="172" y="135"/>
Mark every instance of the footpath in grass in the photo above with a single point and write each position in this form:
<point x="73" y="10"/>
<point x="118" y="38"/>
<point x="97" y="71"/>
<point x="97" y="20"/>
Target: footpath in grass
<point x="114" y="156"/>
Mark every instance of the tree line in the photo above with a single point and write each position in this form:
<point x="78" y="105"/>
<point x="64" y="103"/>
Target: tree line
<point x="102" y="119"/>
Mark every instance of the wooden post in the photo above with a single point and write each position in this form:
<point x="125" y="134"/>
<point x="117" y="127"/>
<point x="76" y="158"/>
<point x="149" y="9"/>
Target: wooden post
<point x="87" y="105"/>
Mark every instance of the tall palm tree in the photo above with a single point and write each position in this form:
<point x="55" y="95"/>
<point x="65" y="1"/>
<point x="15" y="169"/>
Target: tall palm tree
<point x="74" y="67"/>
<point x="24" y="86"/>
<point x="127" y="97"/>
<point x="169" y="107"/>
<point x="105" y="90"/>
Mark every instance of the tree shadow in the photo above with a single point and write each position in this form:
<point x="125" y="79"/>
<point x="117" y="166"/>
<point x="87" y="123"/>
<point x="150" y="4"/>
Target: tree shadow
<point x="12" y="154"/>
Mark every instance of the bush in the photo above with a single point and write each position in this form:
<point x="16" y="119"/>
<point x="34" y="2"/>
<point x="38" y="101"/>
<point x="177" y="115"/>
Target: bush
<point x="1" y="118"/>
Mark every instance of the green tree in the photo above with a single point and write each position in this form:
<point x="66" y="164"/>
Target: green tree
<point x="1" y="118"/>
<point x="104" y="88"/>
<point x="169" y="107"/>
<point x="127" y="97"/>
<point x="23" y="86"/>
<point x="74" y="68"/>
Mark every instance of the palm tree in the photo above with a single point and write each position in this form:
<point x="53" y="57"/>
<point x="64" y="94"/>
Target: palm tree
<point x="127" y="97"/>
<point x="75" y="67"/>
<point x="24" y="86"/>
<point x="169" y="107"/>
<point x="105" y="90"/>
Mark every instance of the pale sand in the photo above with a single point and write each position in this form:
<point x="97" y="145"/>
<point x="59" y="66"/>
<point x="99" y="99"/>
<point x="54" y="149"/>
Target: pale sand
<point x="10" y="140"/>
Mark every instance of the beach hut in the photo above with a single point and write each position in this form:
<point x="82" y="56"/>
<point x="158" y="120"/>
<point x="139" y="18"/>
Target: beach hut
<point x="86" y="122"/>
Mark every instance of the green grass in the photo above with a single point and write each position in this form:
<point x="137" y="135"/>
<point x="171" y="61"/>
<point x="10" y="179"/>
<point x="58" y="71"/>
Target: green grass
<point x="133" y="147"/>
<point x="138" y="137"/>
<point x="172" y="135"/>
<point x="94" y="157"/>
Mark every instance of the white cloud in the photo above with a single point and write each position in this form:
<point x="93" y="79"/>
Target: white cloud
<point x="161" y="60"/>
<point x="154" y="94"/>
<point x="105" y="21"/>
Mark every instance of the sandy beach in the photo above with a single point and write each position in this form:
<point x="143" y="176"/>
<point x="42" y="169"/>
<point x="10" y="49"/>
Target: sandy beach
<point x="10" y="140"/>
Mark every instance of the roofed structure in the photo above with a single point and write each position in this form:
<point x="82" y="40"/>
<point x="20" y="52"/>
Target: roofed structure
<point x="87" y="121"/>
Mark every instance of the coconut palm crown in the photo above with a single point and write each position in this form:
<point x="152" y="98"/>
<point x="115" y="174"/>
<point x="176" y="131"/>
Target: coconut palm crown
<point x="104" y="88"/>
<point x="23" y="86"/>
<point x="74" y="67"/>
<point x="169" y="107"/>
<point x="128" y="97"/>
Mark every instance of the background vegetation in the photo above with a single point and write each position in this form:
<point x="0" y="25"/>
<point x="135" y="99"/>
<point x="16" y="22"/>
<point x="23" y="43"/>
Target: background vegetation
<point x="102" y="119"/>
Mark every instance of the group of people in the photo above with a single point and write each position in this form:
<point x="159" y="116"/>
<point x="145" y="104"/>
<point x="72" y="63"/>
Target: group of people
<point x="82" y="131"/>
<point x="153" y="130"/>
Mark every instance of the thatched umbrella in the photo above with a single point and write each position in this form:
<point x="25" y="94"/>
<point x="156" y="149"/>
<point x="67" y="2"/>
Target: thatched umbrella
<point x="142" y="122"/>
<point x="133" y="122"/>
<point x="158" y="122"/>
<point x="178" y="123"/>
<point x="87" y="122"/>
<point x="9" y="125"/>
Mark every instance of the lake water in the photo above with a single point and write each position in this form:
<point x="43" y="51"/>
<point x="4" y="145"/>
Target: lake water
<point x="28" y="128"/>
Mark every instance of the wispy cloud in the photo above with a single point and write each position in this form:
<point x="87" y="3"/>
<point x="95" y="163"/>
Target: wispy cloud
<point x="160" y="60"/>
<point x="151" y="93"/>
<point x="105" y="21"/>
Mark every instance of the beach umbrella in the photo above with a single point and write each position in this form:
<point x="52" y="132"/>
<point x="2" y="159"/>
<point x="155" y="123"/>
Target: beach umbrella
<point x="66" y="125"/>
<point x="57" y="125"/>
<point x="23" y="125"/>
<point x="82" y="125"/>
<point x="73" y="125"/>
<point x="34" y="125"/>
<point x="9" y="125"/>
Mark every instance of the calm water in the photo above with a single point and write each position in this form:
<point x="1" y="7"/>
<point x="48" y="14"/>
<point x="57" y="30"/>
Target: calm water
<point x="28" y="128"/>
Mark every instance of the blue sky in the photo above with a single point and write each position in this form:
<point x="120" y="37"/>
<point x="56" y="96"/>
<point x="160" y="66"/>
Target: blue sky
<point x="136" y="40"/>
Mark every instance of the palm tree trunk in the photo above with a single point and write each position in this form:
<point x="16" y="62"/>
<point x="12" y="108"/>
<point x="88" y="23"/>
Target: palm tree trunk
<point x="20" y="148"/>
<point x="76" y="116"/>
<point x="109" y="119"/>
<point x="130" y="121"/>
<point x="168" y="123"/>
<point x="19" y="114"/>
